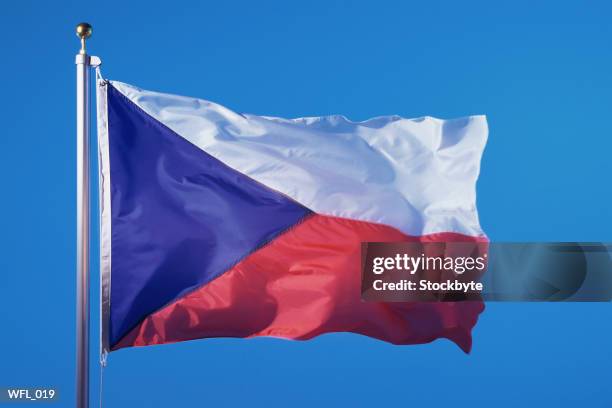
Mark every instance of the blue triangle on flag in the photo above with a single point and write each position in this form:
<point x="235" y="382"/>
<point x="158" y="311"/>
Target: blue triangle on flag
<point x="179" y="217"/>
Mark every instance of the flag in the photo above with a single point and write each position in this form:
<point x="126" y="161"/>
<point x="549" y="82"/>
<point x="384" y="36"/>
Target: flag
<point x="220" y="224"/>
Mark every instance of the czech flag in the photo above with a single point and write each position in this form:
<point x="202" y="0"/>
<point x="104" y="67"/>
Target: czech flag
<point x="219" y="224"/>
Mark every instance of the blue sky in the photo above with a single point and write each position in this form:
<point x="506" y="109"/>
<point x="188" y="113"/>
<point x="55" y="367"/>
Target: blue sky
<point x="540" y="71"/>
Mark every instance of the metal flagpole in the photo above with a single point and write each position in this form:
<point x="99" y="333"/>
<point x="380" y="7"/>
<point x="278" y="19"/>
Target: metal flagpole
<point x="83" y="31"/>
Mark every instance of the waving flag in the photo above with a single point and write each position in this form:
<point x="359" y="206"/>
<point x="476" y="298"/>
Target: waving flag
<point x="218" y="224"/>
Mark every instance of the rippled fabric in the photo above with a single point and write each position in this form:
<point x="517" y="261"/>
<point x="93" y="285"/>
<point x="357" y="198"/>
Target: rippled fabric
<point x="179" y="216"/>
<point x="304" y="283"/>
<point x="225" y="224"/>
<point x="416" y="175"/>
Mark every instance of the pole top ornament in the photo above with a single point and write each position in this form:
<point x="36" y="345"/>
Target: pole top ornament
<point x="83" y="31"/>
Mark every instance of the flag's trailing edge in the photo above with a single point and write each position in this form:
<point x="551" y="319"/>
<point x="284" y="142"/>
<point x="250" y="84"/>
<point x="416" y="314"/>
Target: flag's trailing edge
<point x="217" y="224"/>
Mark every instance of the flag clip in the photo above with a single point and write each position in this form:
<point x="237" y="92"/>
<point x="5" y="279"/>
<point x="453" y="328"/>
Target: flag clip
<point x="94" y="61"/>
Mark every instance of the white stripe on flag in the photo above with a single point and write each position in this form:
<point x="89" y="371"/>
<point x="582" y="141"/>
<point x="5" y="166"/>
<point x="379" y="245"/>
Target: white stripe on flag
<point x="417" y="175"/>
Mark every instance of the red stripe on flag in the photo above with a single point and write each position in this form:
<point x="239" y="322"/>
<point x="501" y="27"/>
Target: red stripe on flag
<point x="305" y="283"/>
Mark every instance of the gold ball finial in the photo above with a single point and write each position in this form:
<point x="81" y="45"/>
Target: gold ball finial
<point x="84" y="30"/>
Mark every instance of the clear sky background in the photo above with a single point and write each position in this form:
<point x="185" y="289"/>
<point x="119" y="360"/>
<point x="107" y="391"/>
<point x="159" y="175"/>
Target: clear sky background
<point x="540" y="71"/>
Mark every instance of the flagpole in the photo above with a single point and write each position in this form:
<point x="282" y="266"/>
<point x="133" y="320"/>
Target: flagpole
<point x="83" y="31"/>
